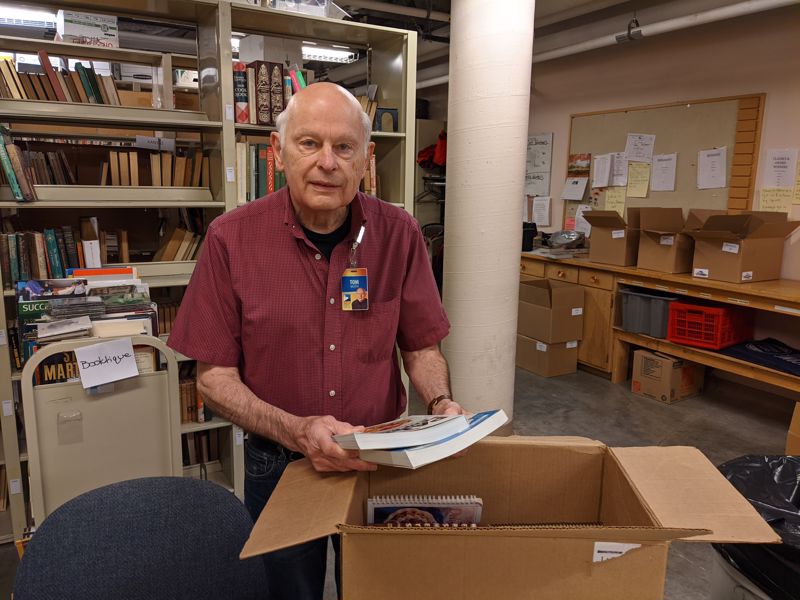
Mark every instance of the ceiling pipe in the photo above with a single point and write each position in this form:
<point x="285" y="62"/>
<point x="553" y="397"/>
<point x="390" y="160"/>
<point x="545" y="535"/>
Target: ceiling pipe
<point x="394" y="9"/>
<point x="739" y="9"/>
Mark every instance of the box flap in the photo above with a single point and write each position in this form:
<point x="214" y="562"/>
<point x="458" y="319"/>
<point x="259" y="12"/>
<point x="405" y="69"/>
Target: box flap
<point x="702" y="234"/>
<point x="661" y="219"/>
<point x="698" y="216"/>
<point x="306" y="505"/>
<point x="775" y="229"/>
<point x="684" y="490"/>
<point x="741" y="225"/>
<point x="535" y="291"/>
<point x="633" y="214"/>
<point x="605" y="218"/>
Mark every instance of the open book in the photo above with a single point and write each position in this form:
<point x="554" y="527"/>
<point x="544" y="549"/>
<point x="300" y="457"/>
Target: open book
<point x="413" y="430"/>
<point x="480" y="425"/>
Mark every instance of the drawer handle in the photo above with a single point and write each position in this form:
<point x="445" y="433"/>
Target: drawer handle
<point x="594" y="279"/>
<point x="561" y="274"/>
<point x="522" y="267"/>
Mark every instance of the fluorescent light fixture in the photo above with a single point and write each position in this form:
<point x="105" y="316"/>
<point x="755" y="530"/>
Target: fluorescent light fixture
<point x="328" y="54"/>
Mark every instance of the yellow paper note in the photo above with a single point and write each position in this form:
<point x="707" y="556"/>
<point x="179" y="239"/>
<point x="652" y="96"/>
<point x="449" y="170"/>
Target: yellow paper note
<point x="796" y="199"/>
<point x="615" y="199"/>
<point x="638" y="179"/>
<point x="776" y="199"/>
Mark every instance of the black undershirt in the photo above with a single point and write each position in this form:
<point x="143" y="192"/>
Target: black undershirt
<point x="326" y="242"/>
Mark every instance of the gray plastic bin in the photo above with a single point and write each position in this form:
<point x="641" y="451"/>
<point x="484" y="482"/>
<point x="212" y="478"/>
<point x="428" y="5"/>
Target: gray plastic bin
<point x="645" y="312"/>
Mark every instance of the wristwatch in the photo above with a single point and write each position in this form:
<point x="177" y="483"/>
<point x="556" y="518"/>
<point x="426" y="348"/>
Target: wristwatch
<point x="436" y="401"/>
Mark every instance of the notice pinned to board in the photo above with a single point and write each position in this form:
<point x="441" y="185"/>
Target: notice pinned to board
<point x="615" y="200"/>
<point x="638" y="179"/>
<point x="106" y="362"/>
<point x="574" y="188"/>
<point x="639" y="147"/>
<point x="781" y="168"/>
<point x="664" y="170"/>
<point x="711" y="168"/>
<point x="776" y="199"/>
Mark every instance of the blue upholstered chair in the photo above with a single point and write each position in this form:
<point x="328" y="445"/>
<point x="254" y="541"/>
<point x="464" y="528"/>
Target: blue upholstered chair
<point x="148" y="538"/>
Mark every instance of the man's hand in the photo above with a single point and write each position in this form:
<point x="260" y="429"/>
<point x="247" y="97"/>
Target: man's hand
<point x="449" y="407"/>
<point x="313" y="436"/>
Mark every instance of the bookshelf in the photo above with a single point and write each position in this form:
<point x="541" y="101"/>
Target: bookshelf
<point x="391" y="65"/>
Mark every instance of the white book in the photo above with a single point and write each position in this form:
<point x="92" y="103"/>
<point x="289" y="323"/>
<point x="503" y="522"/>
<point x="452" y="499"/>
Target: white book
<point x="52" y="329"/>
<point x="413" y="430"/>
<point x="480" y="425"/>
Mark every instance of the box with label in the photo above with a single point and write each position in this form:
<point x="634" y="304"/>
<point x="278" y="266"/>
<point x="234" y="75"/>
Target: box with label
<point x="88" y="29"/>
<point x="612" y="240"/>
<point x="547" y="360"/>
<point x="662" y="244"/>
<point x="562" y="518"/>
<point x="550" y="311"/>
<point x="665" y="378"/>
<point x="741" y="248"/>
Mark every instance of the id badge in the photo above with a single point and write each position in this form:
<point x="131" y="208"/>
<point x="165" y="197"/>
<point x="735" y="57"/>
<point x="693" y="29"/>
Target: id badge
<point x="355" y="290"/>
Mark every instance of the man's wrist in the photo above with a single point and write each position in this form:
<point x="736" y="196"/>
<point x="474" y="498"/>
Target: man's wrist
<point x="440" y="398"/>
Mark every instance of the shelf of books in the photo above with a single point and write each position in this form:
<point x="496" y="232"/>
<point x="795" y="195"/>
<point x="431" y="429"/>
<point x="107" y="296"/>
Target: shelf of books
<point x="87" y="196"/>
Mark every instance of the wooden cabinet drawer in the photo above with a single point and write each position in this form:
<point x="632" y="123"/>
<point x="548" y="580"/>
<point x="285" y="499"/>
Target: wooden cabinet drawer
<point x="534" y="268"/>
<point x="597" y="279"/>
<point x="562" y="273"/>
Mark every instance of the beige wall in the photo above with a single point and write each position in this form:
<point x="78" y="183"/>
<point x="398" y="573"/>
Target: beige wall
<point x="759" y="53"/>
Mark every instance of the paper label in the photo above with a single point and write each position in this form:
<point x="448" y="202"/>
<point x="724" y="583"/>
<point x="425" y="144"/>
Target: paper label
<point x="730" y="247"/>
<point x="239" y="437"/>
<point x="700" y="273"/>
<point x="541" y="347"/>
<point x="618" y="233"/>
<point x="609" y="550"/>
<point x="230" y="175"/>
<point x="8" y="408"/>
<point x="229" y="112"/>
<point x="147" y="142"/>
<point x="14" y="486"/>
<point x="106" y="362"/>
<point x="747" y="276"/>
<point x="3" y="337"/>
<point x="667" y="240"/>
<point x="576" y="312"/>
<point x="572" y="344"/>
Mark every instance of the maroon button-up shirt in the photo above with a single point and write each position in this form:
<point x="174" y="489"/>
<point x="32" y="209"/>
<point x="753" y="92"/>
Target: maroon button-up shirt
<point x="263" y="299"/>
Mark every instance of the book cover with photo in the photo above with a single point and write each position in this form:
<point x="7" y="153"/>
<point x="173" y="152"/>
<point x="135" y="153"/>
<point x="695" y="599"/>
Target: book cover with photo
<point x="413" y="430"/>
<point x="424" y="510"/>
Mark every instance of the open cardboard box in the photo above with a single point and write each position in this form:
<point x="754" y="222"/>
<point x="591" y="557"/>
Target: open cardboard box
<point x="562" y="518"/>
<point x="613" y="241"/>
<point x="662" y="244"/>
<point x="550" y="311"/>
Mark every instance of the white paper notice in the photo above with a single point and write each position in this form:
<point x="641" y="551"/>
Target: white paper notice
<point x="662" y="179"/>
<point x="619" y="169"/>
<point x="582" y="224"/>
<point x="780" y="169"/>
<point x="105" y="362"/>
<point x="574" y="188"/>
<point x="537" y="184"/>
<point x="601" y="171"/>
<point x="711" y="168"/>
<point x="541" y="211"/>
<point x="639" y="147"/>
<point x="537" y="164"/>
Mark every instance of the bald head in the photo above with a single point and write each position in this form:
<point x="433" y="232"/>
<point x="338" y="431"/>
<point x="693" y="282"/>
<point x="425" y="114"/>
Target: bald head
<point x="332" y="95"/>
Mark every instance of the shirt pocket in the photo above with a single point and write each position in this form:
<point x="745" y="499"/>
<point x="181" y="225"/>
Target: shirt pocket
<point x="372" y="332"/>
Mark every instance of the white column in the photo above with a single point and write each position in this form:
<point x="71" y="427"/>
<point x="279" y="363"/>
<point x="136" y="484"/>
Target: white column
<point x="491" y="46"/>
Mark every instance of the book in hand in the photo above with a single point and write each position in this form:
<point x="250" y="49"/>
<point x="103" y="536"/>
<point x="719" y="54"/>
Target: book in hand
<point x="424" y="510"/>
<point x="480" y="425"/>
<point x="413" y="430"/>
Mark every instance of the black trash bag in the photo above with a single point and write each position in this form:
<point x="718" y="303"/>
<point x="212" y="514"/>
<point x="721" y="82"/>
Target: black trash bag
<point x="772" y="485"/>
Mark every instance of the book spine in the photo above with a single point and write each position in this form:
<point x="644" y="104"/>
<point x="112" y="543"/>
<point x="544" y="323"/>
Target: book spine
<point x="262" y="93"/>
<point x="11" y="176"/>
<point x="22" y="254"/>
<point x="275" y="91"/>
<point x="5" y="262"/>
<point x="44" y="60"/>
<point x="62" y="249"/>
<point x="240" y="100"/>
<point x="25" y="186"/>
<point x="270" y="170"/>
<point x="53" y="254"/>
<point x="13" y="341"/>
<point x="87" y="87"/>
<point x="72" y="248"/>
<point x="13" y="259"/>
<point x="41" y="254"/>
<point x="262" y="170"/>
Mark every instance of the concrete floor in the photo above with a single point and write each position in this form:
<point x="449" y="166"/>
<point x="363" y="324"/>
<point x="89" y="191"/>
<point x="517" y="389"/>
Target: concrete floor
<point x="726" y="421"/>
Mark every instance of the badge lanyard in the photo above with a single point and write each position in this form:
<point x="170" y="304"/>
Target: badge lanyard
<point x="355" y="283"/>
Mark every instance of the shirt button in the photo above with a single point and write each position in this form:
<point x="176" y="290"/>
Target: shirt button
<point x="332" y="347"/>
<point x="331" y="300"/>
<point x="317" y="256"/>
<point x="332" y="393"/>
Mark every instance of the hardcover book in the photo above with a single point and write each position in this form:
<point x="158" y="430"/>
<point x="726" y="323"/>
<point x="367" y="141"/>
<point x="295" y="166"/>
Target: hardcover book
<point x="413" y="430"/>
<point x="424" y="510"/>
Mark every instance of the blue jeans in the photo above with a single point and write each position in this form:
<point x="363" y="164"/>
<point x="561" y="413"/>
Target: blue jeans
<point x="296" y="573"/>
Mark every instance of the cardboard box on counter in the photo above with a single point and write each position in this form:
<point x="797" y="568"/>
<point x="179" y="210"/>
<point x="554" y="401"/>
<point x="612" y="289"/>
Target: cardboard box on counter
<point x="87" y="28"/>
<point x="662" y="244"/>
<point x="547" y="360"/>
<point x="740" y="248"/>
<point x="665" y="378"/>
<point x="550" y="311"/>
<point x="562" y="518"/>
<point x="613" y="241"/>
<point x="793" y="437"/>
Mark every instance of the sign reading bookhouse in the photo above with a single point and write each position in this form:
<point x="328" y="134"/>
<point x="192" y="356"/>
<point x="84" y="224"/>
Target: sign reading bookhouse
<point x="106" y="362"/>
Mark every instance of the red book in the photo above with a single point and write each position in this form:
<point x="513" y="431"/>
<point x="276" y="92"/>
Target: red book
<point x="44" y="60"/>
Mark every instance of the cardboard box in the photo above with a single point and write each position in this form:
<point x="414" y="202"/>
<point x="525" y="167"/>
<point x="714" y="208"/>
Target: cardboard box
<point x="665" y="378"/>
<point x="793" y="437"/>
<point x="625" y="506"/>
<point x="612" y="240"/>
<point x="88" y="29"/>
<point x="550" y="311"/>
<point x="662" y="244"/>
<point x="547" y="360"/>
<point x="741" y="248"/>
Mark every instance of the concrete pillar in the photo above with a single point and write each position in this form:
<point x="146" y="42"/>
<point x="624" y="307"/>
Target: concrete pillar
<point x="491" y="47"/>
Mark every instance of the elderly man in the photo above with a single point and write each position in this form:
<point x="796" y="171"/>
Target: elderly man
<point x="295" y="370"/>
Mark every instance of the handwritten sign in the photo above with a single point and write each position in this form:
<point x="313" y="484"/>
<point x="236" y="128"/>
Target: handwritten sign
<point x="615" y="200"/>
<point x="638" y="179"/>
<point x="776" y="199"/>
<point x="103" y="363"/>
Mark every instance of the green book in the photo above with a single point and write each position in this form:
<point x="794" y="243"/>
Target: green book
<point x="8" y="169"/>
<point x="53" y="254"/>
<point x="262" y="170"/>
<point x="13" y="258"/>
<point x="87" y="86"/>
<point x="93" y="81"/>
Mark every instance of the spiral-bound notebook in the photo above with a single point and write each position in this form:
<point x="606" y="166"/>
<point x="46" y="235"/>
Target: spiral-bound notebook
<point x="424" y="510"/>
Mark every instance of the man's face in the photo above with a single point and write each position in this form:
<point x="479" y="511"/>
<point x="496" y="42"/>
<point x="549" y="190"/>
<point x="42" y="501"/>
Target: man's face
<point x="323" y="154"/>
<point x="360" y="295"/>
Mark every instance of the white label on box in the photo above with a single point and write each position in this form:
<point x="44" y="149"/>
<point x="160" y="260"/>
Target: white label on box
<point x="608" y="550"/>
<point x="229" y="112"/>
<point x="239" y="437"/>
<point x="747" y="276"/>
<point x="230" y="176"/>
<point x="14" y="486"/>
<point x="8" y="408"/>
<point x="541" y="347"/>
<point x="788" y="309"/>
<point x="667" y="240"/>
<point x="147" y="142"/>
<point x="730" y="247"/>
<point x="618" y="233"/>
<point x="3" y="338"/>
<point x="700" y="273"/>
<point x="167" y="144"/>
<point x="572" y="344"/>
<point x="577" y="312"/>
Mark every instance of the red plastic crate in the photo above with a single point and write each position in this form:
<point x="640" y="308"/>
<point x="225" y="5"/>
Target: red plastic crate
<point x="712" y="327"/>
